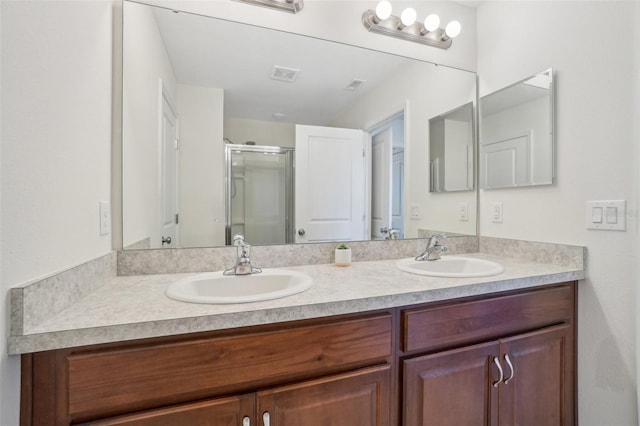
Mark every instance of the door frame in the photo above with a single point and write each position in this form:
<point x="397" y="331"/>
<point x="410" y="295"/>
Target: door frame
<point x="165" y="96"/>
<point x="375" y="127"/>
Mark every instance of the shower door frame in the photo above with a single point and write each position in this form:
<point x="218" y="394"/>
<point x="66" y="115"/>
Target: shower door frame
<point x="288" y="183"/>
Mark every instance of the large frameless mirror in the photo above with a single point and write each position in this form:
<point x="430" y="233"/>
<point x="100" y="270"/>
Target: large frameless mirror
<point x="354" y="122"/>
<point x="517" y="134"/>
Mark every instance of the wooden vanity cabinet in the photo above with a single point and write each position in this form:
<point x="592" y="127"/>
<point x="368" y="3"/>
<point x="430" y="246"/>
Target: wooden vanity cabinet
<point x="356" y="398"/>
<point x="504" y="359"/>
<point x="520" y="372"/>
<point x="341" y="365"/>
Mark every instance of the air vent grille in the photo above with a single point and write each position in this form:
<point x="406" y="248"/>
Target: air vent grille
<point x="284" y="74"/>
<point x="355" y="83"/>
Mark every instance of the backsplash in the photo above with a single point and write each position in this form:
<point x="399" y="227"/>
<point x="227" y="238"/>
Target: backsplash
<point x="48" y="296"/>
<point x="167" y="261"/>
<point x="532" y="251"/>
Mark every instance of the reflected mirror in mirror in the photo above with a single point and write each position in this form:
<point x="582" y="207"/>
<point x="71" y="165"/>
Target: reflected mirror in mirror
<point x="451" y="148"/>
<point x="517" y="135"/>
<point x="352" y="118"/>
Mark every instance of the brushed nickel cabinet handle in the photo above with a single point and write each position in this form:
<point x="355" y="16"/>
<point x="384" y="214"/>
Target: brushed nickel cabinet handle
<point x="496" y="361"/>
<point x="246" y="421"/>
<point x="266" y="419"/>
<point x="513" y="372"/>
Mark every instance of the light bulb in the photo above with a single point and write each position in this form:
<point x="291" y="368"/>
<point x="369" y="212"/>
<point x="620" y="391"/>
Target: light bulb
<point x="453" y="29"/>
<point x="432" y="22"/>
<point x="408" y="16"/>
<point x="383" y="10"/>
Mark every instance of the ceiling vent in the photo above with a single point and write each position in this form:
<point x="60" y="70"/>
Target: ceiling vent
<point x="355" y="83"/>
<point x="284" y="74"/>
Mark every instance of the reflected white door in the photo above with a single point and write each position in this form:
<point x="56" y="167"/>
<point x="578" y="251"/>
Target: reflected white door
<point x="330" y="200"/>
<point x="381" y="151"/>
<point x="169" y="230"/>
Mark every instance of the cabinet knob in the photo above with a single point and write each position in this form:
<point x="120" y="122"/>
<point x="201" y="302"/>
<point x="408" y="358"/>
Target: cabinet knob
<point x="496" y="361"/>
<point x="266" y="419"/>
<point x="513" y="372"/>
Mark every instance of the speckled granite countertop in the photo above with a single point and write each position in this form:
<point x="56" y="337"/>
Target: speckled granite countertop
<point x="134" y="307"/>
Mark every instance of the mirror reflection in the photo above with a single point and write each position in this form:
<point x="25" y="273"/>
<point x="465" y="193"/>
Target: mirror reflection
<point x="516" y="134"/>
<point x="451" y="142"/>
<point x="354" y="122"/>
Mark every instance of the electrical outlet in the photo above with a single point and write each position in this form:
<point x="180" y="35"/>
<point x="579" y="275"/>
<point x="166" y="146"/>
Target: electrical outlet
<point x="496" y="212"/>
<point x="463" y="214"/>
<point x="105" y="218"/>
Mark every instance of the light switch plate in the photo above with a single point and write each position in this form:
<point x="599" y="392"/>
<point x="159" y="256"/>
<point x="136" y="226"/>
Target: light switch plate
<point x="608" y="215"/>
<point x="415" y="211"/>
<point x="105" y="218"/>
<point x="496" y="212"/>
<point x="464" y="212"/>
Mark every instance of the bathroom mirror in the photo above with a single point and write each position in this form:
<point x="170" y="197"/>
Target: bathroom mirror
<point x="517" y="134"/>
<point x="190" y="89"/>
<point x="451" y="148"/>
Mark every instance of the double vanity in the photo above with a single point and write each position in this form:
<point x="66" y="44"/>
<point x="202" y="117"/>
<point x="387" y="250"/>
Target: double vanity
<point x="369" y="344"/>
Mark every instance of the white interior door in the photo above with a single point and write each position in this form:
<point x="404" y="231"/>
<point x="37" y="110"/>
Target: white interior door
<point x="330" y="196"/>
<point x="506" y="163"/>
<point x="169" y="230"/>
<point x="381" y="152"/>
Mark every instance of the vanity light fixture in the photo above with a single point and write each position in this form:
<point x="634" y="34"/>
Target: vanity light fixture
<point x="405" y="27"/>
<point x="291" y="6"/>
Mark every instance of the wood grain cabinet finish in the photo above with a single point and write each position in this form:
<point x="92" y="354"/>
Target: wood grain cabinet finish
<point x="522" y="372"/>
<point x="358" y="398"/>
<point x="522" y="380"/>
<point x="431" y="364"/>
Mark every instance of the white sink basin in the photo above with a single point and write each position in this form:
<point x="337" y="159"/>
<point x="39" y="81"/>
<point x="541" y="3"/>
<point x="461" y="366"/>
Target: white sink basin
<point x="214" y="287"/>
<point x="451" y="266"/>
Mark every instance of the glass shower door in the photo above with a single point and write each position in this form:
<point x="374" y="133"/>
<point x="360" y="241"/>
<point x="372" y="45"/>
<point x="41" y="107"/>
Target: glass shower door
<point x="259" y="194"/>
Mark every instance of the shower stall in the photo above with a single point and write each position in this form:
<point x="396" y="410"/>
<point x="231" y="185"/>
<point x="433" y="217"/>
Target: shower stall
<point x="259" y="194"/>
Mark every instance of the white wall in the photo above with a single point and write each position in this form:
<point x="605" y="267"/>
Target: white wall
<point x="56" y="149"/>
<point x="145" y="65"/>
<point x="202" y="205"/>
<point x="425" y="91"/>
<point x="340" y="20"/>
<point x="597" y="146"/>
<point x="269" y="133"/>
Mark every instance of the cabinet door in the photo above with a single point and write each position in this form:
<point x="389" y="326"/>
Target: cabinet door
<point x="218" y="412"/>
<point x="452" y="388"/>
<point x="539" y="390"/>
<point x="359" y="398"/>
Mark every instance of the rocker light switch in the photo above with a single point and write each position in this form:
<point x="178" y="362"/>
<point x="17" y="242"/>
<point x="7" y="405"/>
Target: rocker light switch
<point x="607" y="215"/>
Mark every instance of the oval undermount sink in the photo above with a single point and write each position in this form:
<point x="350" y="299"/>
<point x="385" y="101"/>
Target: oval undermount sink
<point x="216" y="288"/>
<point x="451" y="266"/>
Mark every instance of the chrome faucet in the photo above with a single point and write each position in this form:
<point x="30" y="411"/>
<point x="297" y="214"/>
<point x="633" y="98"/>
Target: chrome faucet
<point x="243" y="264"/>
<point x="433" y="250"/>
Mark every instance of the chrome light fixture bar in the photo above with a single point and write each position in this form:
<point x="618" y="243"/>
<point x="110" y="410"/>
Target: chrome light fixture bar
<point x="405" y="27"/>
<point x="291" y="6"/>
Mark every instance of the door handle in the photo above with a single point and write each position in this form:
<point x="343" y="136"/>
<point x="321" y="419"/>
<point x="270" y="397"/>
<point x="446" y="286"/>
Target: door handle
<point x="496" y="361"/>
<point x="513" y="372"/>
<point x="301" y="232"/>
<point x="166" y="240"/>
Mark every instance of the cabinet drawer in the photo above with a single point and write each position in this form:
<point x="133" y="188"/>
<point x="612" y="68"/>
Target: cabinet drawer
<point x="115" y="381"/>
<point x="449" y="325"/>
<point x="218" y="412"/>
